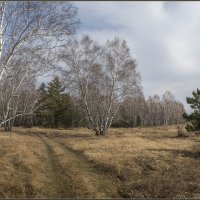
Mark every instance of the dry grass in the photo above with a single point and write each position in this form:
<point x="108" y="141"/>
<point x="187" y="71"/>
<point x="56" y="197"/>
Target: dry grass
<point x="20" y="171"/>
<point x="149" y="162"/>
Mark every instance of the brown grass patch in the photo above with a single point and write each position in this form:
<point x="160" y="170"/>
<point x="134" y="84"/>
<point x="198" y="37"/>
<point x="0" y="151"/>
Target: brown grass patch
<point x="149" y="162"/>
<point x="20" y="172"/>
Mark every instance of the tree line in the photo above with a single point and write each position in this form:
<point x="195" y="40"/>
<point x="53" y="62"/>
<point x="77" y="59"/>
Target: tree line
<point x="58" y="108"/>
<point x="155" y="111"/>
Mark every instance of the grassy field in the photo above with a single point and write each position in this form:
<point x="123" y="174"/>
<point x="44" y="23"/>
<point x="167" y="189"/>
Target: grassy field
<point x="139" y="162"/>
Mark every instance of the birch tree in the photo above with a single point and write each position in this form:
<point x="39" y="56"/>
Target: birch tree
<point x="103" y="76"/>
<point x="33" y="26"/>
<point x="154" y="111"/>
<point x="30" y="35"/>
<point x="168" y="100"/>
<point x="23" y="103"/>
<point x="132" y="111"/>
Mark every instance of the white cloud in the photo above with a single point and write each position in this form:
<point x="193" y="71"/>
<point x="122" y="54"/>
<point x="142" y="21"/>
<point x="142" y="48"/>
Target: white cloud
<point x="164" y="37"/>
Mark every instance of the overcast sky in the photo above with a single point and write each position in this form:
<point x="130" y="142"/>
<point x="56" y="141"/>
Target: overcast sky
<point x="164" y="38"/>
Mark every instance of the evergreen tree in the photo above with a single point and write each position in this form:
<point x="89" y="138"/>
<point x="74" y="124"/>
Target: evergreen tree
<point x="42" y="112"/>
<point x="194" y="117"/>
<point x="56" y="107"/>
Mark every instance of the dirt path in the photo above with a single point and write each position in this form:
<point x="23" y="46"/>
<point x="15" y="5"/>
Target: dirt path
<point x="58" y="186"/>
<point x="71" y="175"/>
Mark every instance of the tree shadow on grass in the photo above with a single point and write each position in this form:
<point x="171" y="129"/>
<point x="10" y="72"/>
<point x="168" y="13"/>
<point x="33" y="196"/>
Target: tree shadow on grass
<point x="57" y="135"/>
<point x="183" y="153"/>
<point x="161" y="136"/>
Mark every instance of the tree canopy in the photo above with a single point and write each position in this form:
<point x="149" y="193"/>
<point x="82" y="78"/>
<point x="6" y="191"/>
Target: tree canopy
<point x="194" y="117"/>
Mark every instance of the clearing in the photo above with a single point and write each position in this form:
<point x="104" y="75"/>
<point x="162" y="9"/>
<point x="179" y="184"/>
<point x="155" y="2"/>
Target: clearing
<point x="139" y="162"/>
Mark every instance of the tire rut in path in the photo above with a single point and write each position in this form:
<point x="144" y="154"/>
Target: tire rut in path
<point x="99" y="182"/>
<point x="58" y="186"/>
<point x="75" y="176"/>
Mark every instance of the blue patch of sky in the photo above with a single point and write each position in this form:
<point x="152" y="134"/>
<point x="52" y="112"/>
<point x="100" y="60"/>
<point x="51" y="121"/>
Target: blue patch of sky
<point x="97" y="24"/>
<point x="170" y="5"/>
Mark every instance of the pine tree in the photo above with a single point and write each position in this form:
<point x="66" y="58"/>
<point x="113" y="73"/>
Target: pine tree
<point x="194" y="117"/>
<point x="42" y="112"/>
<point x="56" y="106"/>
